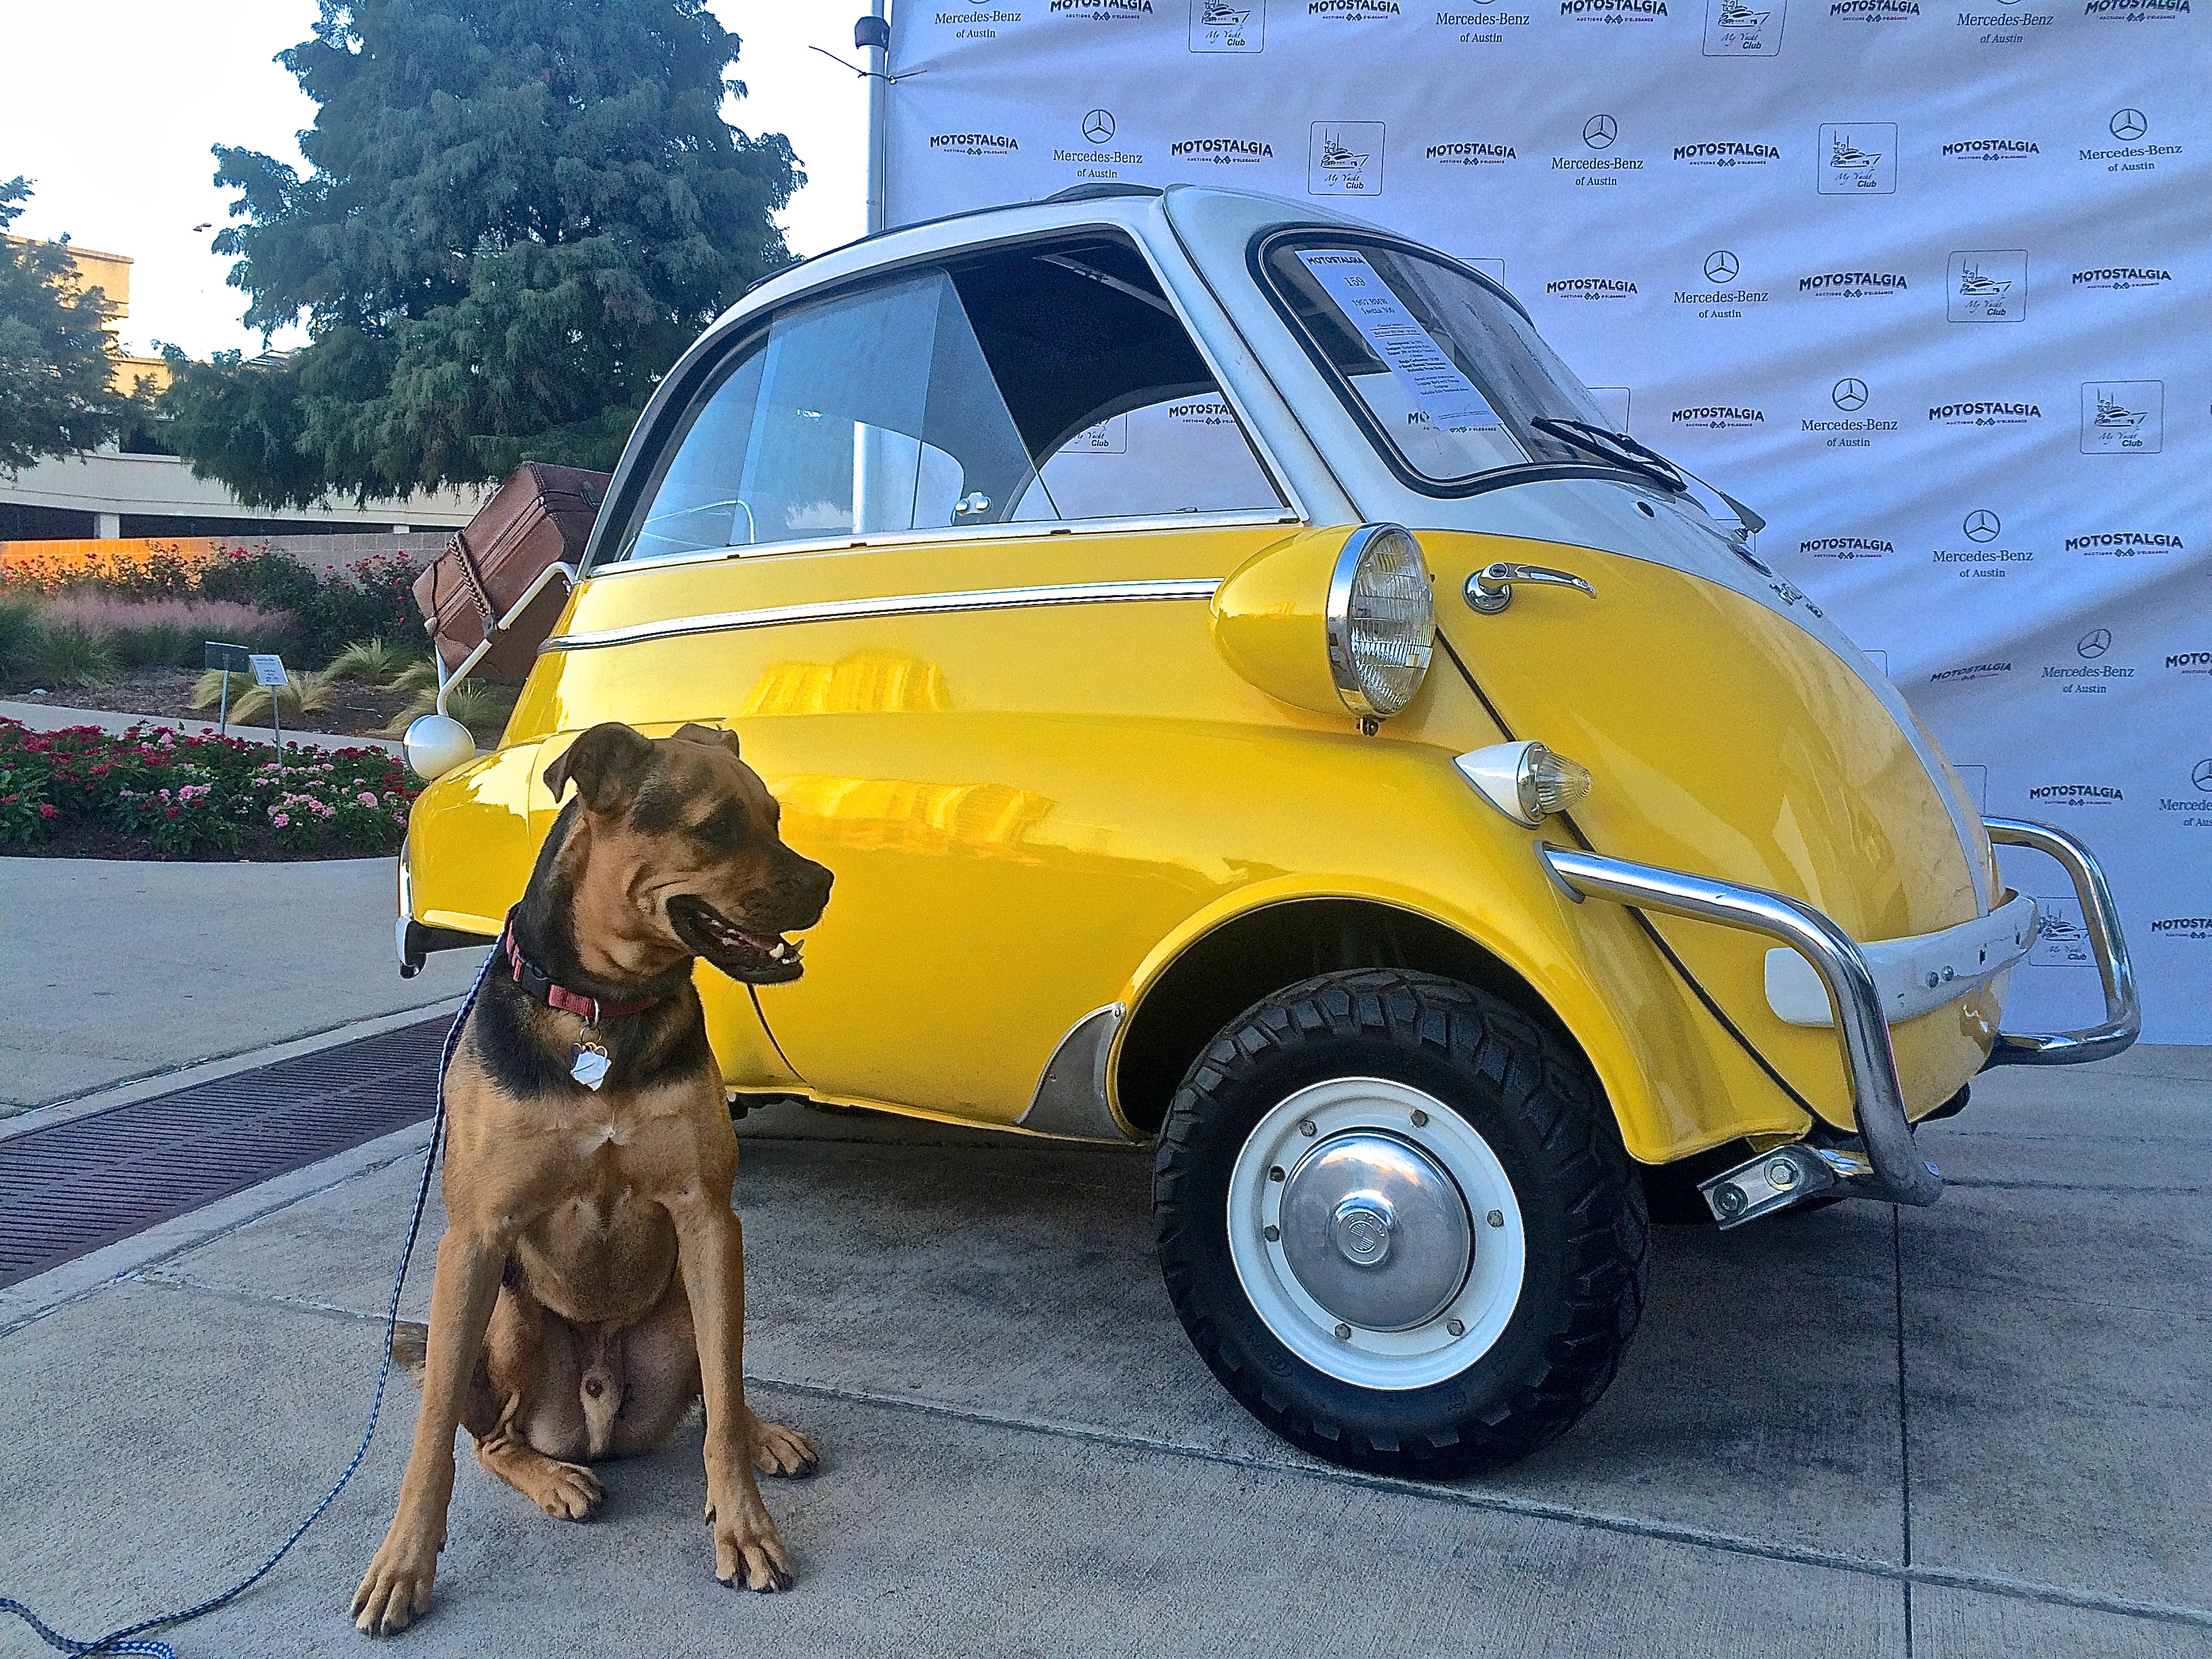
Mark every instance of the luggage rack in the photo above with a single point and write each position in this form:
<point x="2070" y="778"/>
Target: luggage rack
<point x="508" y="619"/>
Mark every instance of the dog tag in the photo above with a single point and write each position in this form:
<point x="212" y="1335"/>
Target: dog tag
<point x="588" y="1064"/>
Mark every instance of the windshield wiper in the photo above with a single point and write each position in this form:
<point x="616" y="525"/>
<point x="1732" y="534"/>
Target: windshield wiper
<point x="1615" y="446"/>
<point x="1624" y="451"/>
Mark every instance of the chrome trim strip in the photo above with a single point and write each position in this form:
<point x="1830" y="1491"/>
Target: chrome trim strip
<point x="2123" y="1006"/>
<point x="1028" y="530"/>
<point x="1916" y="975"/>
<point x="1071" y="1099"/>
<point x="1869" y="1063"/>
<point x="895" y="604"/>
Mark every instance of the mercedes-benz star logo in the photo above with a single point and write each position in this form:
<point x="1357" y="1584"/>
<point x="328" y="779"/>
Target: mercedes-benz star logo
<point x="2128" y="126"/>
<point x="1982" y="525"/>
<point x="1098" y="126"/>
<point x="2202" y="777"/>
<point x="1848" y="395"/>
<point x="1720" y="266"/>
<point x="1600" y="130"/>
<point x="2094" y="643"/>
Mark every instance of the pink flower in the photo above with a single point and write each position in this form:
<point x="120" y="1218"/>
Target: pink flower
<point x="367" y="798"/>
<point x="279" y="820"/>
<point x="50" y="812"/>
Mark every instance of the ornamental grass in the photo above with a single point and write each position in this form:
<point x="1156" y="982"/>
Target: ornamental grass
<point x="112" y="606"/>
<point x="306" y="691"/>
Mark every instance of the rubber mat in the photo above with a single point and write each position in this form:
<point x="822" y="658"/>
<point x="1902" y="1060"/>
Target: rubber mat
<point x="68" y="1190"/>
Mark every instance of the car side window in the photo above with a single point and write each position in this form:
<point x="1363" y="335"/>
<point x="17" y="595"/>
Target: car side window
<point x="861" y="415"/>
<point x="1030" y="385"/>
<point x="1180" y="454"/>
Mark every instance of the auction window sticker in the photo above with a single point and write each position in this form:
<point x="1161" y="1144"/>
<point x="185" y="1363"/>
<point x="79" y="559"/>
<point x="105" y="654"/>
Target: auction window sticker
<point x="1437" y="418"/>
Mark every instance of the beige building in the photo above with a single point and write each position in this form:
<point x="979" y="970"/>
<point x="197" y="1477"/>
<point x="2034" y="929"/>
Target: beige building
<point x="112" y="492"/>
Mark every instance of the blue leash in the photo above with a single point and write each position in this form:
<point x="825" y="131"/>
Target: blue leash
<point x="121" y="1641"/>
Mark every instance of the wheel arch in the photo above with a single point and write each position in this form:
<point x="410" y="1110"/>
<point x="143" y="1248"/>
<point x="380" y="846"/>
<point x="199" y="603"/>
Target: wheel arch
<point x="1255" y="952"/>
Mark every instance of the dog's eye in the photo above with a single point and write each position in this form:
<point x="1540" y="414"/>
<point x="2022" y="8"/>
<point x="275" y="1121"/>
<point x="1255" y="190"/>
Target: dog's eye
<point x="723" y="828"/>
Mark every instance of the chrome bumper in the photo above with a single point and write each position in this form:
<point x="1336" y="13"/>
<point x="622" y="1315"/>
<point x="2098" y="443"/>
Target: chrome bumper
<point x="2123" y="1008"/>
<point x="1916" y="976"/>
<point x="1891" y="1167"/>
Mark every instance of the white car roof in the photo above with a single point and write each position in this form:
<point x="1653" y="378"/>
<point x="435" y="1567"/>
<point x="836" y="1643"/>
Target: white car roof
<point x="1214" y="225"/>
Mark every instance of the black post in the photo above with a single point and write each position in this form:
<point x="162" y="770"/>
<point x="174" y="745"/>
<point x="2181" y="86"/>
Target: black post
<point x="232" y="660"/>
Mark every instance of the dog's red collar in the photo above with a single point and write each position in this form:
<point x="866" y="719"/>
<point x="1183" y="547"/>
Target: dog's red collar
<point x="540" y="984"/>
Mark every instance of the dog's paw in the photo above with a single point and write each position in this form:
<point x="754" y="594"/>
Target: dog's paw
<point x="750" y="1556"/>
<point x="396" y="1589"/>
<point x="781" y="1450"/>
<point x="570" y="1492"/>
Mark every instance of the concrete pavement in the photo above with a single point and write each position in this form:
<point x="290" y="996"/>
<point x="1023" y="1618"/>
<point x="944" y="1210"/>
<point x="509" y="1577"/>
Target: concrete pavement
<point x="117" y="970"/>
<point x="1975" y="1430"/>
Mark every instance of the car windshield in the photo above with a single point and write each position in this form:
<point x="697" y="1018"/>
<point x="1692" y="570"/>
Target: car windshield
<point x="1447" y="372"/>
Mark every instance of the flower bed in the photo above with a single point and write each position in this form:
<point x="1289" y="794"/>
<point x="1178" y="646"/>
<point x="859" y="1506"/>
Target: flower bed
<point x="150" y="792"/>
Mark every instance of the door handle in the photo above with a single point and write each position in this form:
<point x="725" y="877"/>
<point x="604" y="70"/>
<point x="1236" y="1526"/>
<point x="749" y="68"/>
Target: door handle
<point x="1490" y="590"/>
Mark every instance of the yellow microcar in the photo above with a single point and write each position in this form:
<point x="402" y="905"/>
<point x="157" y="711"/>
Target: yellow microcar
<point x="1255" y="702"/>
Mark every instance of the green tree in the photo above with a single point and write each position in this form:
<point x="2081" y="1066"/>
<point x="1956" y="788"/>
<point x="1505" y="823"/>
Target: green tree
<point x="520" y="211"/>
<point x="55" y="395"/>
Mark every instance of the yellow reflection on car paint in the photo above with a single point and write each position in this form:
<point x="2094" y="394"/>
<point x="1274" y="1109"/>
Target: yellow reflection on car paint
<point x="864" y="683"/>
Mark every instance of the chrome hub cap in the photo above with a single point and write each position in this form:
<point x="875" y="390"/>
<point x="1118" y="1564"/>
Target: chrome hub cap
<point x="1376" y="1233"/>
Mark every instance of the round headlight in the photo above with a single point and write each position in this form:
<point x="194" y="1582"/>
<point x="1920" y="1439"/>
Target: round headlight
<point x="1381" y="620"/>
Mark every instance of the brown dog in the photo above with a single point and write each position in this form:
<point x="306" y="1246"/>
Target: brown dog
<point x="590" y="1285"/>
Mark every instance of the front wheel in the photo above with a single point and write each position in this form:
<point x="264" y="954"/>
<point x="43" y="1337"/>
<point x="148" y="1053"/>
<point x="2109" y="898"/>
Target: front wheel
<point x="1398" y="1224"/>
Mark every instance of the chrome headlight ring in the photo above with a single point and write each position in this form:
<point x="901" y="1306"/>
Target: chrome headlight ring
<point x="1381" y="619"/>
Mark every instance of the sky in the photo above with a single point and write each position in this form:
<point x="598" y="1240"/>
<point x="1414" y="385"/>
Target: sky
<point x="115" y="139"/>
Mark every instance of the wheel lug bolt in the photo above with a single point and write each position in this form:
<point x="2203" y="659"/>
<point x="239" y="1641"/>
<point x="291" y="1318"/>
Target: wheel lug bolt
<point x="1343" y="1331"/>
<point x="1271" y="1233"/>
<point x="1275" y="1173"/>
<point x="1420" y="1120"/>
<point x="1306" y="1129"/>
<point x="1496" y="1217"/>
<point x="1457" y="1328"/>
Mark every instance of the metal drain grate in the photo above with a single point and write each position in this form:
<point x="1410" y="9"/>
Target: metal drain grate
<point x="67" y="1191"/>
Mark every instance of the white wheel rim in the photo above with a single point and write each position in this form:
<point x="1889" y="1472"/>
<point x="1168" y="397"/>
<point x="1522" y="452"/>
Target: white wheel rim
<point x="1419" y="1355"/>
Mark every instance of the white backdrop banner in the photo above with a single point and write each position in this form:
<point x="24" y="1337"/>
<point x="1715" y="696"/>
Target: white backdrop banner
<point x="1926" y="283"/>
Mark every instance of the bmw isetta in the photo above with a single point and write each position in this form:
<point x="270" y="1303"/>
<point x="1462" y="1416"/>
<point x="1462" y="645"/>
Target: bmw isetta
<point x="1238" y="678"/>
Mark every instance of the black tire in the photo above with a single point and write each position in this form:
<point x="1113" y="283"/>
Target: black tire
<point x="1543" y="1116"/>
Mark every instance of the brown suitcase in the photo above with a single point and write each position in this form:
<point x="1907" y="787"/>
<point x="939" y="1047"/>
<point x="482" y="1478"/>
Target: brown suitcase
<point x="541" y="516"/>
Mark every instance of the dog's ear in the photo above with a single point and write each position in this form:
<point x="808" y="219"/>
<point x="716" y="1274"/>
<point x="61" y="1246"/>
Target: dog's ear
<point x="606" y="764"/>
<point x="691" y="732"/>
